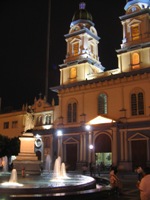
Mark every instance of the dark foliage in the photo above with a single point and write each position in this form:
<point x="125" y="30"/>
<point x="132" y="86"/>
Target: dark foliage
<point x="9" y="146"/>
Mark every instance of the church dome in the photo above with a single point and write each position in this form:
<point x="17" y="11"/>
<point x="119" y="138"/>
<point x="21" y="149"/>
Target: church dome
<point x="82" y="13"/>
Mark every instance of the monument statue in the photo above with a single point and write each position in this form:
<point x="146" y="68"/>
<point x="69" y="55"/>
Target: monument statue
<point x="29" y="120"/>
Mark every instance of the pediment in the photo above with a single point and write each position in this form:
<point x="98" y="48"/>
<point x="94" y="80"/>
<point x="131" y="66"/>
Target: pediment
<point x="75" y="40"/>
<point x="70" y="140"/>
<point x="134" y="21"/>
<point x="138" y="136"/>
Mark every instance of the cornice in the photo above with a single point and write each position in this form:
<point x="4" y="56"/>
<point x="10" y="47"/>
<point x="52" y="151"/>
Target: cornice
<point x="104" y="81"/>
<point x="135" y="14"/>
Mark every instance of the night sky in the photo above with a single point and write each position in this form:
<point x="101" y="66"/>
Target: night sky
<point x="23" y="43"/>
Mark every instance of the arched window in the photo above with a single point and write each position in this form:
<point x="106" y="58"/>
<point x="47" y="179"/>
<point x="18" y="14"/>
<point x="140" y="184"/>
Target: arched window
<point x="39" y="121"/>
<point x="73" y="72"/>
<point x="137" y="102"/>
<point x="48" y="119"/>
<point x="102" y="104"/>
<point x="135" y="61"/>
<point x="72" y="111"/>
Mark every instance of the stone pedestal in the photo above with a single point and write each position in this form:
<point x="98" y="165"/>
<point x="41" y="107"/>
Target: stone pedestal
<point x="27" y="159"/>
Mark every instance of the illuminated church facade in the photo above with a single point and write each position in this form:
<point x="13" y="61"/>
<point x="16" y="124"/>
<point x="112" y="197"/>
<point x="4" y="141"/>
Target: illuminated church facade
<point x="103" y="115"/>
<point x="114" y="103"/>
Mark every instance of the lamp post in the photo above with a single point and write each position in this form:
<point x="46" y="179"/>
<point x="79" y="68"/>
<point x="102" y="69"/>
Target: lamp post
<point x="59" y="135"/>
<point x="91" y="149"/>
<point x="89" y="129"/>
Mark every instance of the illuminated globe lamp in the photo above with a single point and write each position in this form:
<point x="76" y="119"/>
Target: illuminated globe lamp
<point x="88" y="127"/>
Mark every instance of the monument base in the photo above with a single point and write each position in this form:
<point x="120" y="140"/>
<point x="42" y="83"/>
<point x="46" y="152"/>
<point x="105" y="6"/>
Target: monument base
<point x="27" y="156"/>
<point x="31" y="167"/>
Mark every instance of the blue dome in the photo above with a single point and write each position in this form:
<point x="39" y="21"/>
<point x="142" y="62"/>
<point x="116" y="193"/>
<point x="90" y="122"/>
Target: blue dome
<point x="140" y="2"/>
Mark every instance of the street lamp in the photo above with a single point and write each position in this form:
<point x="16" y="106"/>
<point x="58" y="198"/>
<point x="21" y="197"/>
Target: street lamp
<point x="59" y="135"/>
<point x="91" y="149"/>
<point x="88" y="127"/>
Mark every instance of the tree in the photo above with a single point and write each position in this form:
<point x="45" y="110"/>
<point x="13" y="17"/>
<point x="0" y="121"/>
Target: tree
<point x="9" y="146"/>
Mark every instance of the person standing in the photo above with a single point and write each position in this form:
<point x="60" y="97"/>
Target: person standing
<point x="139" y="172"/>
<point x="115" y="182"/>
<point x="91" y="169"/>
<point x="144" y="185"/>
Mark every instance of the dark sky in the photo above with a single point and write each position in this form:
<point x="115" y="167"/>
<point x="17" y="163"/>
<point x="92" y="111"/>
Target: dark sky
<point x="23" y="43"/>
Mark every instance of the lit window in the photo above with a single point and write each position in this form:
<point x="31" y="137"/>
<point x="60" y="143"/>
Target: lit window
<point x="137" y="103"/>
<point x="135" y="32"/>
<point x="135" y="61"/>
<point x="48" y="119"/>
<point x="39" y="121"/>
<point x="76" y="48"/>
<point x="73" y="72"/>
<point x="102" y="104"/>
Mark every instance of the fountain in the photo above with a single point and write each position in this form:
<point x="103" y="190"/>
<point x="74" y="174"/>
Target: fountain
<point x="13" y="180"/>
<point x="47" y="163"/>
<point x="57" y="183"/>
<point x="59" y="169"/>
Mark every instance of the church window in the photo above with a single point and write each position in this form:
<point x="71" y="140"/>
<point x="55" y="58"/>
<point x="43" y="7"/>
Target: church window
<point x="39" y="121"/>
<point x="92" y="49"/>
<point x="14" y="124"/>
<point x="76" y="48"/>
<point x="137" y="103"/>
<point x="72" y="112"/>
<point x="135" y="30"/>
<point x="135" y="61"/>
<point x="102" y="104"/>
<point x="47" y="120"/>
<point x="73" y="72"/>
<point x="6" y="125"/>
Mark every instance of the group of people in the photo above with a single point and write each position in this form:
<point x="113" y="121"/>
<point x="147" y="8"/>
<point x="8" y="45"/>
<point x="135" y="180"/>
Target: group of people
<point x="143" y="183"/>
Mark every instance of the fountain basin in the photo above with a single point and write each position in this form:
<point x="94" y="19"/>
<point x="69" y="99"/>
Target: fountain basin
<point x="44" y="184"/>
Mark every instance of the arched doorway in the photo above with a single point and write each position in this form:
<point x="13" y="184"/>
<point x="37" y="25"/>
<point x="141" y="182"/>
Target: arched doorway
<point x="103" y="154"/>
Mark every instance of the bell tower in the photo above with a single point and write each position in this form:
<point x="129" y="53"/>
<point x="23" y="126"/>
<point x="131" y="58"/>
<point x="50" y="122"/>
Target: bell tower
<point x="82" y="61"/>
<point x="135" y="48"/>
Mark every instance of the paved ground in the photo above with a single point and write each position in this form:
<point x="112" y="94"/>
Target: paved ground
<point x="130" y="191"/>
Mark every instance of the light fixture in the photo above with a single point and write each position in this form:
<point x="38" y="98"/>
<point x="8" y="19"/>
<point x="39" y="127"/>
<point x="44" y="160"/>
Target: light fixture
<point x="88" y="127"/>
<point x="59" y="133"/>
<point x="91" y="146"/>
